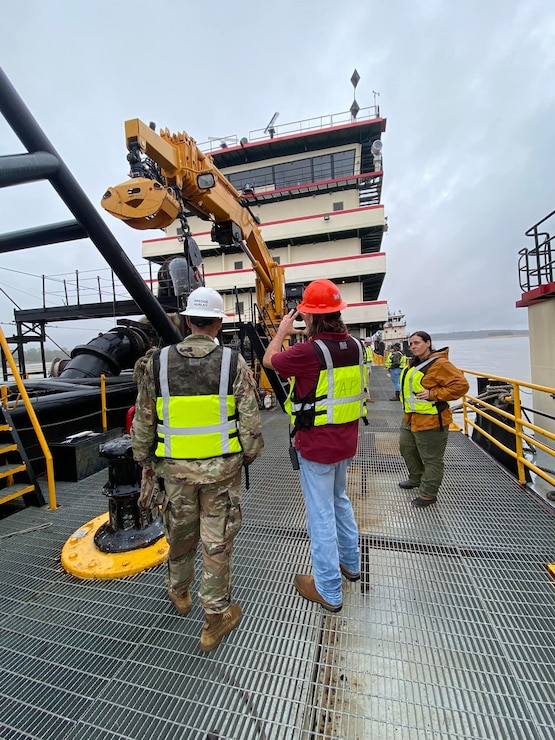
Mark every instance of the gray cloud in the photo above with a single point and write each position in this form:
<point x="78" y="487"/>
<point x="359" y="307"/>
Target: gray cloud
<point x="466" y="88"/>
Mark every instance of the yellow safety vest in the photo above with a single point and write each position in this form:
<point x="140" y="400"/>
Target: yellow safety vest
<point x="196" y="427"/>
<point x="402" y="361"/>
<point x="339" y="396"/>
<point x="368" y="354"/>
<point x="411" y="383"/>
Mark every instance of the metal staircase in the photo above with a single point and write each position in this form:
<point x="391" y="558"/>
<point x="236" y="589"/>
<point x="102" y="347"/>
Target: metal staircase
<point x="16" y="474"/>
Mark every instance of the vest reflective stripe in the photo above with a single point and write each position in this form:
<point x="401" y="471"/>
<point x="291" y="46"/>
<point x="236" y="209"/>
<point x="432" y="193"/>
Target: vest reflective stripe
<point x="402" y="361"/>
<point x="179" y="434"/>
<point x="339" y="396"/>
<point x="411" y="385"/>
<point x="368" y="354"/>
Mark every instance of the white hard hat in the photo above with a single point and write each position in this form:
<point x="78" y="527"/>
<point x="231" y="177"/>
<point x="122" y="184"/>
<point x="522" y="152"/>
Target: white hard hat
<point x="367" y="339"/>
<point x="205" y="302"/>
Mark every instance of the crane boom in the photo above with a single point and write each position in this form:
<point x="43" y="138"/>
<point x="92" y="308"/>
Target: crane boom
<point x="177" y="177"/>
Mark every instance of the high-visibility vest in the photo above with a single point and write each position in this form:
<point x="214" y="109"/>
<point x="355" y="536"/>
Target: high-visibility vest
<point x="411" y="384"/>
<point x="402" y="360"/>
<point x="368" y="354"/>
<point x="338" y="398"/>
<point x="192" y="427"/>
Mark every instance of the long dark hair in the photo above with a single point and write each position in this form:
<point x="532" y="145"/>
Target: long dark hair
<point x="326" y="322"/>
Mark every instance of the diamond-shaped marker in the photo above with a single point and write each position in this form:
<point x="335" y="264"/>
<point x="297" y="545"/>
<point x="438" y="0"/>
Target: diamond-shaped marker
<point x="355" y="77"/>
<point x="354" y="109"/>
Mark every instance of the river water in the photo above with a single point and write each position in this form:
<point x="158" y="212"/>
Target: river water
<point x="506" y="356"/>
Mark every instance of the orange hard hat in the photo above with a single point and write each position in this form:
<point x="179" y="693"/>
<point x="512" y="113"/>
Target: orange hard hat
<point x="321" y="296"/>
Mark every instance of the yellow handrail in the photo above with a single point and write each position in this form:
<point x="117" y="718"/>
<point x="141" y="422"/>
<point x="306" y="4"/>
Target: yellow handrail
<point x="103" y="402"/>
<point x="519" y="428"/>
<point x="33" y="419"/>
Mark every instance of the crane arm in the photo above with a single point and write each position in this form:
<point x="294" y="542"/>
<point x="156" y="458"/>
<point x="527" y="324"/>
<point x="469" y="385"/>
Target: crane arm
<point x="176" y="177"/>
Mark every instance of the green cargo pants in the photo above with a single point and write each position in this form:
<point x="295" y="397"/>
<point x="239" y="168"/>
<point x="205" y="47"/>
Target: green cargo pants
<point x="423" y="454"/>
<point x="211" y="512"/>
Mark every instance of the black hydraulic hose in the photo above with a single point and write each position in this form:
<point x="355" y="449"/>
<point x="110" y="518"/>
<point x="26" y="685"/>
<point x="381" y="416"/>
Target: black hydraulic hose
<point x="33" y="138"/>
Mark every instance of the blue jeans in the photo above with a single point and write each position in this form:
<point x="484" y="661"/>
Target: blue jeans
<point x="331" y="525"/>
<point x="395" y="373"/>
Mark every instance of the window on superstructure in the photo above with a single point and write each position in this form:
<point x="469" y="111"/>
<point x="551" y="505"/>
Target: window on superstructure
<point x="322" y="168"/>
<point x="293" y="173"/>
<point x="297" y="172"/>
<point x="368" y="291"/>
<point x="344" y="163"/>
<point x="256" y="178"/>
<point x="239" y="307"/>
<point x="237" y="265"/>
<point x="338" y="206"/>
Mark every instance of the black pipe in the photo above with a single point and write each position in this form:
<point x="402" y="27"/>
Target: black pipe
<point x="40" y="236"/>
<point x="68" y="412"/>
<point x="16" y="169"/>
<point x="33" y="138"/>
<point x="106" y="354"/>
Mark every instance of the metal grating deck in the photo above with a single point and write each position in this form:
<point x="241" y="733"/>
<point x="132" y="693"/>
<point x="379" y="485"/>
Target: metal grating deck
<point x="449" y="634"/>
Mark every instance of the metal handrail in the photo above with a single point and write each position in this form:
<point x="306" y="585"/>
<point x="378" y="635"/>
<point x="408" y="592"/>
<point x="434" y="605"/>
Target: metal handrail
<point x="536" y="266"/>
<point x="33" y="419"/>
<point x="292" y="128"/>
<point x="519" y="426"/>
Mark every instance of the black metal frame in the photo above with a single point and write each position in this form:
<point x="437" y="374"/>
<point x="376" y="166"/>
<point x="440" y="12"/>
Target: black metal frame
<point x="44" y="162"/>
<point x="536" y="266"/>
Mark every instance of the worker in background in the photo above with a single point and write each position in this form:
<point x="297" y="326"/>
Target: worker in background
<point x="395" y="363"/>
<point x="368" y="364"/>
<point x="378" y="350"/>
<point x="325" y="403"/>
<point x="426" y="389"/>
<point x="196" y="423"/>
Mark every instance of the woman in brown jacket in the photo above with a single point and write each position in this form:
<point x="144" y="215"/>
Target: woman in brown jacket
<point x="427" y="386"/>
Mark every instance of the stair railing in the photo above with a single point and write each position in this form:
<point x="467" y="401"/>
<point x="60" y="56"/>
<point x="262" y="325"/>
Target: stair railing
<point x="33" y="419"/>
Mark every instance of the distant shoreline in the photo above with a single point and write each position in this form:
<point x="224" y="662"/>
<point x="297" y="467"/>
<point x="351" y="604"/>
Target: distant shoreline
<point x="483" y="334"/>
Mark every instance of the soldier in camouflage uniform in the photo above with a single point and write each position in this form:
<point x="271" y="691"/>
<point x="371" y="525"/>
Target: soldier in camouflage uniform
<point x="178" y="395"/>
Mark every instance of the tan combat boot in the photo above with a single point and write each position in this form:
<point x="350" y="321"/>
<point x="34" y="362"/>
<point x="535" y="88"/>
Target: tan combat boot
<point x="218" y="626"/>
<point x="183" y="603"/>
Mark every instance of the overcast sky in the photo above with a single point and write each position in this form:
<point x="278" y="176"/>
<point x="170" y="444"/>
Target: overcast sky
<point x="468" y="90"/>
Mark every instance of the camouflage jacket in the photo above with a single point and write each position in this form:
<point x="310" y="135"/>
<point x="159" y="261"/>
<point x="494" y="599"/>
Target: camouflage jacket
<point x="210" y="470"/>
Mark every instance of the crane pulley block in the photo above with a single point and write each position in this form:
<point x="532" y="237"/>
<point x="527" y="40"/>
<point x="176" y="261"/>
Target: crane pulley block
<point x="227" y="234"/>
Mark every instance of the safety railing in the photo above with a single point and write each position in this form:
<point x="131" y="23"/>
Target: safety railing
<point x="33" y="419"/>
<point x="217" y="143"/>
<point x="516" y="423"/>
<point x="536" y="266"/>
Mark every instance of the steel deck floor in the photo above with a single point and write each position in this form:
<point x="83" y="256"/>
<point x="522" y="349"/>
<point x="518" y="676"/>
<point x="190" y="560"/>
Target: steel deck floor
<point x="449" y="635"/>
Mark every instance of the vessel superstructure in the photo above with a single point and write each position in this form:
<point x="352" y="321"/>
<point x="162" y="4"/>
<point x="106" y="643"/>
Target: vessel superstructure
<point x="315" y="186"/>
<point x="395" y="329"/>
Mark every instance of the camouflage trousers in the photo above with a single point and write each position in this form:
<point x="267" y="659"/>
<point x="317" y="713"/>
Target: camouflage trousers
<point x="210" y="512"/>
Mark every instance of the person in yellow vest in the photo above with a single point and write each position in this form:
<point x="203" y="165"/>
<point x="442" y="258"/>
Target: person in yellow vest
<point x="395" y="363"/>
<point x="368" y="363"/>
<point x="427" y="386"/>
<point x="378" y="350"/>
<point x="196" y="423"/>
<point x="325" y="403"/>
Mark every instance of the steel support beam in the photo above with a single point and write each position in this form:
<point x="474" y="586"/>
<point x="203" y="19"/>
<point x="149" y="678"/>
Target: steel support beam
<point x="33" y="138"/>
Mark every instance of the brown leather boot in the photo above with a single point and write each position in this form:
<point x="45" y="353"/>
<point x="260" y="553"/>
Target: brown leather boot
<point x="182" y="603"/>
<point x="218" y="626"/>
<point x="306" y="587"/>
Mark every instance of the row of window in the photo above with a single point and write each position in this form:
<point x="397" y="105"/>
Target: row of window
<point x="299" y="172"/>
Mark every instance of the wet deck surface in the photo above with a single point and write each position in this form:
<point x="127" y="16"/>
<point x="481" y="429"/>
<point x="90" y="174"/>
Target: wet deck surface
<point x="449" y="635"/>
